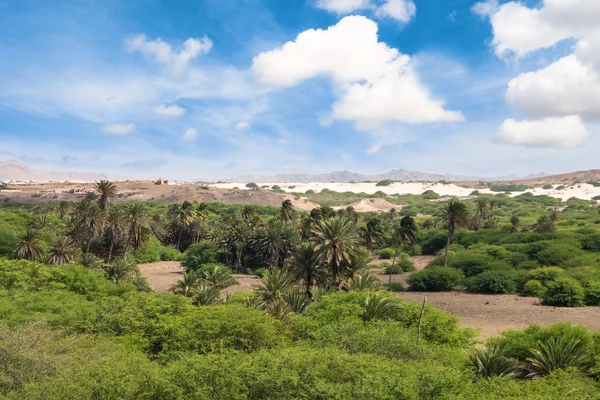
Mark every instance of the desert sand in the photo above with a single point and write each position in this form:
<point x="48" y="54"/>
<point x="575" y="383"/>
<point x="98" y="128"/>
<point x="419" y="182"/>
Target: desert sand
<point x="582" y="191"/>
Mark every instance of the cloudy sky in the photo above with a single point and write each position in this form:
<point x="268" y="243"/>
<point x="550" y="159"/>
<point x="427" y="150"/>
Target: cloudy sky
<point x="218" y="88"/>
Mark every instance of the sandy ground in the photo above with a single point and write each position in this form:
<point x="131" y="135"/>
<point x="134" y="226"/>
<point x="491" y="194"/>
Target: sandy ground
<point x="582" y="191"/>
<point x="489" y="314"/>
<point x="366" y="205"/>
<point x="162" y="275"/>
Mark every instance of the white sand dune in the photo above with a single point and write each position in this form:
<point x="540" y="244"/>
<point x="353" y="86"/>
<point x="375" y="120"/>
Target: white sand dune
<point x="582" y="191"/>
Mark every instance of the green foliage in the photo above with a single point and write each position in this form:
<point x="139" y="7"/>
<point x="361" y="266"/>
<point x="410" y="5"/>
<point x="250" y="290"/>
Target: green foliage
<point x="154" y="251"/>
<point x="430" y="195"/>
<point x="533" y="288"/>
<point x="385" y="182"/>
<point x="201" y="253"/>
<point x="395" y="287"/>
<point x="591" y="242"/>
<point x="557" y="353"/>
<point x="547" y="187"/>
<point x="509" y="188"/>
<point x="564" y="292"/>
<point x="251" y="185"/>
<point x="493" y="363"/>
<point x="387" y="253"/>
<point x="495" y="282"/>
<point x="436" y="279"/>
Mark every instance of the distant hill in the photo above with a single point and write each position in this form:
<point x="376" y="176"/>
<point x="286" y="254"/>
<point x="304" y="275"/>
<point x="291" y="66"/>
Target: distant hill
<point x="11" y="170"/>
<point x="592" y="175"/>
<point x="401" y="175"/>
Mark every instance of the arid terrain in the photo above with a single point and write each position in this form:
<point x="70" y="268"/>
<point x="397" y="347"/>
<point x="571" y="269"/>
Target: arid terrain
<point x="489" y="314"/>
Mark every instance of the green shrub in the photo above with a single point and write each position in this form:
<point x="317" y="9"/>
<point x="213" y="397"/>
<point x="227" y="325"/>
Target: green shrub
<point x="392" y="269"/>
<point x="430" y="195"/>
<point x="436" y="279"/>
<point x="533" y="288"/>
<point x="565" y="292"/>
<point x="276" y="188"/>
<point x="395" y="287"/>
<point x="310" y="191"/>
<point x="170" y="253"/>
<point x="494" y="282"/>
<point x="509" y="188"/>
<point x="435" y="243"/>
<point x="592" y="294"/>
<point x="560" y="187"/>
<point x="385" y="182"/>
<point x="387" y="253"/>
<point x="547" y="187"/>
<point x="546" y="274"/>
<point x="591" y="242"/>
<point x="475" y="193"/>
<point x="204" y="252"/>
<point x="251" y="185"/>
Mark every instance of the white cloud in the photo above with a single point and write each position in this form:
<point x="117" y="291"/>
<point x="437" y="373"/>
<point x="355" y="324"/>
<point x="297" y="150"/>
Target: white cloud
<point x="190" y="134"/>
<point x="566" y="87"/>
<point x="343" y="6"/>
<point x="485" y="8"/>
<point x="400" y="10"/>
<point x="119" y="129"/>
<point x="163" y="53"/>
<point x="550" y="132"/>
<point x="374" y="83"/>
<point x="169" y="111"/>
<point x="241" y="125"/>
<point x="520" y="30"/>
<point x="373" y="149"/>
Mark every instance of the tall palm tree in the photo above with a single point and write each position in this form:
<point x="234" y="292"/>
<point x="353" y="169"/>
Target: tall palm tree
<point x="184" y="215"/>
<point x="455" y="215"/>
<point x="404" y="232"/>
<point x="306" y="265"/>
<point x="286" y="212"/>
<point x="336" y="241"/>
<point x="274" y="243"/>
<point x="114" y="228"/>
<point x="372" y="233"/>
<point x="30" y="247"/>
<point x="63" y="209"/>
<point x="138" y="222"/>
<point x="107" y="191"/>
<point x="62" y="251"/>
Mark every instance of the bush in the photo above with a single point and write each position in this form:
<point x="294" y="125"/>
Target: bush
<point x="565" y="292"/>
<point x="436" y="279"/>
<point x="434" y="244"/>
<point x="548" y="187"/>
<point x="204" y="252"/>
<point x="406" y="263"/>
<point x="509" y="188"/>
<point x="395" y="287"/>
<point x="386" y="254"/>
<point x="546" y="275"/>
<point x="533" y="288"/>
<point x="310" y="191"/>
<point x="592" y="294"/>
<point x="251" y="185"/>
<point x="170" y="253"/>
<point x="385" y="182"/>
<point x="392" y="269"/>
<point x="154" y="251"/>
<point x="591" y="242"/>
<point x="475" y="193"/>
<point x="495" y="282"/>
<point x="430" y="195"/>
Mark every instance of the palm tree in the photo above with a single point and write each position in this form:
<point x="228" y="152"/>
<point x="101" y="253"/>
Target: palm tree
<point x="515" y="221"/>
<point x="455" y="215"/>
<point x="63" y="209"/>
<point x="218" y="276"/>
<point x="363" y="281"/>
<point x="137" y="221"/>
<point x="557" y="353"/>
<point x="286" y="212"/>
<point x="114" y="228"/>
<point x="376" y="306"/>
<point x="184" y="215"/>
<point x="492" y="362"/>
<point x="297" y="301"/>
<point x="30" y="247"/>
<point x="62" y="251"/>
<point x="186" y="286"/>
<point x="274" y="243"/>
<point x="119" y="269"/>
<point x="274" y="284"/>
<point x="404" y="232"/>
<point x="372" y="233"/>
<point x="206" y="295"/>
<point x="336" y="239"/>
<point x="107" y="191"/>
<point x="306" y="265"/>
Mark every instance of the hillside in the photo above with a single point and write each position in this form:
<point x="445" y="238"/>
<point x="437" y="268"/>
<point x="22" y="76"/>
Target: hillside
<point x="11" y="170"/>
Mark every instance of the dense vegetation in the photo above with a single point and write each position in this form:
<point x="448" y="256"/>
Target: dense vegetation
<point x="78" y="321"/>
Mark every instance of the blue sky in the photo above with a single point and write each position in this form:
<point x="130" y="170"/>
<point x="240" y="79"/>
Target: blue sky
<point x="212" y="89"/>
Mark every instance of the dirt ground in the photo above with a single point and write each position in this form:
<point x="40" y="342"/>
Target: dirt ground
<point x="162" y="275"/>
<point x="366" y="205"/>
<point x="147" y="191"/>
<point x="489" y="314"/>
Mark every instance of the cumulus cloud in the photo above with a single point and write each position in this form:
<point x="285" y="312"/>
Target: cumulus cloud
<point x="119" y="129"/>
<point x="241" y="125"/>
<point x="399" y="10"/>
<point x="485" y="8"/>
<point x="190" y="134"/>
<point x="169" y="111"/>
<point x="520" y="30"/>
<point x="375" y="84"/>
<point x="163" y="53"/>
<point x="549" y="132"/>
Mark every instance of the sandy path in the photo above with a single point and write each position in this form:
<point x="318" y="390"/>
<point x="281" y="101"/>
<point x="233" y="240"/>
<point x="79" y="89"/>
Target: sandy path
<point x="162" y="275"/>
<point x="493" y="314"/>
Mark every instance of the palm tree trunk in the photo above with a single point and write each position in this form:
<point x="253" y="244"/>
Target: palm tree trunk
<point x="393" y="263"/>
<point x="447" y="247"/>
<point x="110" y="250"/>
<point x="334" y="271"/>
<point x="179" y="240"/>
<point x="308" y="283"/>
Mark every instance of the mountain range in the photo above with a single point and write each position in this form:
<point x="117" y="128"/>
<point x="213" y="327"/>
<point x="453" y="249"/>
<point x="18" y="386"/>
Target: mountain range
<point x="401" y="175"/>
<point x="11" y="170"/>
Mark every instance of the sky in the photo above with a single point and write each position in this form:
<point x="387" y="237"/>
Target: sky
<point x="208" y="89"/>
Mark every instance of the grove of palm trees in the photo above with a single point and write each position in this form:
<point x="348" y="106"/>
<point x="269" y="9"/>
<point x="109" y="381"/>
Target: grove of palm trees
<point x="78" y="320"/>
